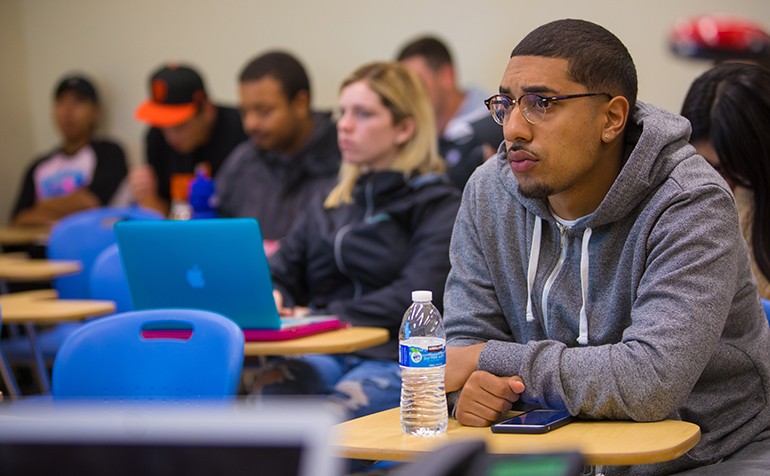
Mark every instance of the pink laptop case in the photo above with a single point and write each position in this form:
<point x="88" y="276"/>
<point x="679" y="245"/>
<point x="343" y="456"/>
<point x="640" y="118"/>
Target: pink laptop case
<point x="258" y="335"/>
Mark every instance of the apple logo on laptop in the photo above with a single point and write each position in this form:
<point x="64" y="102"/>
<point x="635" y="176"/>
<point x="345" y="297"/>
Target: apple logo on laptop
<point x="195" y="277"/>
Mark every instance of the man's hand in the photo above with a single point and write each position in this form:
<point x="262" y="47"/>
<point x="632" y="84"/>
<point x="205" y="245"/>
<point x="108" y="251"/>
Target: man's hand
<point x="282" y="311"/>
<point x="461" y="362"/>
<point x="485" y="397"/>
<point x="143" y="183"/>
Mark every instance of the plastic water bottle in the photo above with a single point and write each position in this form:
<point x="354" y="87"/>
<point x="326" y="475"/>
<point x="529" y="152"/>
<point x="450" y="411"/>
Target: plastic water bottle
<point x="422" y="356"/>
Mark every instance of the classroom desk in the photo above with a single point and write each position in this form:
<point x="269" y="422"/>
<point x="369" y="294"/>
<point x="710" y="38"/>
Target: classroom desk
<point x="340" y="341"/>
<point x="379" y="437"/>
<point x="16" y="267"/>
<point x="18" y="235"/>
<point x="44" y="307"/>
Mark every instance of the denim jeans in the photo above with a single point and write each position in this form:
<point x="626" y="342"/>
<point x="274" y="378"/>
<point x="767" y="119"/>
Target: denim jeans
<point x="362" y="386"/>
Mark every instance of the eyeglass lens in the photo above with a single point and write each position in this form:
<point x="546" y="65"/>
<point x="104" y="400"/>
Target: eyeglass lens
<point x="530" y="104"/>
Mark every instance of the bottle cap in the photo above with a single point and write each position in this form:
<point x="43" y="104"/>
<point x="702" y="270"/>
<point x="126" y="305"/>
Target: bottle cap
<point x="422" y="296"/>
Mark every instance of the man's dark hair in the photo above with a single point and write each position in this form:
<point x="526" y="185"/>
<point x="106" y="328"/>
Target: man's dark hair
<point x="282" y="67"/>
<point x="597" y="59"/>
<point x="433" y="50"/>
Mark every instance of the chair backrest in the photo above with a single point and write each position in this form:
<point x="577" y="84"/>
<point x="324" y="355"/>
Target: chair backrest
<point x="108" y="280"/>
<point x="109" y="358"/>
<point x="82" y="236"/>
<point x="766" y="305"/>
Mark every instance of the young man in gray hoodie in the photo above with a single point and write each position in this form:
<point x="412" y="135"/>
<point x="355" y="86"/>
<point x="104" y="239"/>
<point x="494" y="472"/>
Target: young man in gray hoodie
<point x="598" y="265"/>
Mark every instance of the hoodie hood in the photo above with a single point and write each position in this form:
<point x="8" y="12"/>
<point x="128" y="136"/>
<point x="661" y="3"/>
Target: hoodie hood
<point x="651" y="132"/>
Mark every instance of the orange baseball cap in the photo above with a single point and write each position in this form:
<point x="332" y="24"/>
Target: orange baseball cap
<point x="176" y="94"/>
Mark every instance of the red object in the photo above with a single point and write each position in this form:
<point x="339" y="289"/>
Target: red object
<point x="719" y="37"/>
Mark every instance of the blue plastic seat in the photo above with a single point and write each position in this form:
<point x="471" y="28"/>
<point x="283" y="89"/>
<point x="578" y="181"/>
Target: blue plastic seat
<point x="108" y="280"/>
<point x="108" y="358"/>
<point x="79" y="236"/>
<point x="82" y="236"/>
<point x="766" y="305"/>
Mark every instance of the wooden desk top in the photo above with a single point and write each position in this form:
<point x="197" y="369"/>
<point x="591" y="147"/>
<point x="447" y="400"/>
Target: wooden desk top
<point x="341" y="341"/>
<point x="44" y="307"/>
<point x="14" y="267"/>
<point x="379" y="437"/>
<point x="17" y="235"/>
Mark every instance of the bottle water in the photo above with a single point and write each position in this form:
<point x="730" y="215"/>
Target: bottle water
<point x="422" y="356"/>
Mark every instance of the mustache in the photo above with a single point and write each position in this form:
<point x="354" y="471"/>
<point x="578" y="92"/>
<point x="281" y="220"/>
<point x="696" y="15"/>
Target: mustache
<point x="515" y="147"/>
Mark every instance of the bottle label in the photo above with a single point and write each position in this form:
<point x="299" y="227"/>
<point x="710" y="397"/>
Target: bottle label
<point x="420" y="357"/>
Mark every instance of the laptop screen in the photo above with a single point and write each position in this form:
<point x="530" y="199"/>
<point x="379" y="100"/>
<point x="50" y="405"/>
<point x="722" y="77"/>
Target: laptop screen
<point x="194" y="439"/>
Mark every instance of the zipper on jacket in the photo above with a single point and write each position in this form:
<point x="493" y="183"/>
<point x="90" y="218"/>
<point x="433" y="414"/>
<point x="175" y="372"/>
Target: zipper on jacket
<point x="341" y="265"/>
<point x="369" y="199"/>
<point x="563" y="230"/>
<point x="357" y="286"/>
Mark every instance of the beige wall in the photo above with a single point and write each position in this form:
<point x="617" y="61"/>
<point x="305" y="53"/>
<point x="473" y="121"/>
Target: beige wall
<point x="16" y="144"/>
<point x="119" y="43"/>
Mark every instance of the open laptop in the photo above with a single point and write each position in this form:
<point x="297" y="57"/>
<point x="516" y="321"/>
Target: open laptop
<point x="217" y="265"/>
<point x="90" y="438"/>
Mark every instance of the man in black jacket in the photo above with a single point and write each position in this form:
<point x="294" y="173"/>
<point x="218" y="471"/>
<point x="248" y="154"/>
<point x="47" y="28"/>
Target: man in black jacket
<point x="291" y="154"/>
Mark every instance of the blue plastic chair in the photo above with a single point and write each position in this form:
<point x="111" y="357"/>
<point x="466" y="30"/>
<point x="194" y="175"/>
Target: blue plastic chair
<point x="766" y="305"/>
<point x="108" y="358"/>
<point x="108" y="280"/>
<point x="82" y="236"/>
<point x="78" y="236"/>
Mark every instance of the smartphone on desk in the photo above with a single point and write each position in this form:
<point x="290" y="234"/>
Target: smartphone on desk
<point x="534" y="421"/>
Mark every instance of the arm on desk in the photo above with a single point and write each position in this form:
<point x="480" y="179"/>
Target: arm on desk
<point x="46" y="212"/>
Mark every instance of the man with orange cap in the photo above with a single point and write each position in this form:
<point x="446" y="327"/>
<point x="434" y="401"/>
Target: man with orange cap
<point x="187" y="130"/>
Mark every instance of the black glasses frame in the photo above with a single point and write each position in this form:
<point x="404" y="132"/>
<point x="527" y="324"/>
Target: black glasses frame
<point x="546" y="100"/>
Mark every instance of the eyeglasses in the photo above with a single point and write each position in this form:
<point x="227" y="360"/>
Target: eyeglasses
<point x="532" y="106"/>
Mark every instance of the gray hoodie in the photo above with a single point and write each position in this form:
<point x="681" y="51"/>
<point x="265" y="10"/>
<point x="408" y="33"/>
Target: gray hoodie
<point x="644" y="310"/>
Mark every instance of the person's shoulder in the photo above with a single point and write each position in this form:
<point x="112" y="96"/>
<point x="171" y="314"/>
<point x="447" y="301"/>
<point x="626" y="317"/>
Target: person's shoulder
<point x="106" y="147"/>
<point x="42" y="158"/>
<point x="433" y="186"/>
<point x="229" y="113"/>
<point x="240" y="156"/>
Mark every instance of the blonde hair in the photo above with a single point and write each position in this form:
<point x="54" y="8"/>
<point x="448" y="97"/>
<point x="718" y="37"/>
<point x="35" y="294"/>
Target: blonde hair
<point x="403" y="92"/>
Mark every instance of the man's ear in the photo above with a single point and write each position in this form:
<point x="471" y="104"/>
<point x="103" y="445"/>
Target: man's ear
<point x="301" y="104"/>
<point x="446" y="73"/>
<point x="615" y="117"/>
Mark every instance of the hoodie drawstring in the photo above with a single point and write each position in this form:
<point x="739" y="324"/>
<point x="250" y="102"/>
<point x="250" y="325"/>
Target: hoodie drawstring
<point x="534" y="257"/>
<point x="583" y="336"/>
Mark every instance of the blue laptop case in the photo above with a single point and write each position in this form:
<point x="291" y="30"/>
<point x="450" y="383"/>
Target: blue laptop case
<point x="217" y="265"/>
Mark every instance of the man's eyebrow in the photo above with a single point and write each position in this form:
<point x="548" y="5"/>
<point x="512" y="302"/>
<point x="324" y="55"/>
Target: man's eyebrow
<point x="538" y="89"/>
<point x="528" y="89"/>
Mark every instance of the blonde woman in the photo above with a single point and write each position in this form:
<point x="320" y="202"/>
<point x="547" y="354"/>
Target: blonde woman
<point x="381" y="233"/>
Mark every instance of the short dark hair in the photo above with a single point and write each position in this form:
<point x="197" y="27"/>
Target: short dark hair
<point x="433" y="50"/>
<point x="79" y="85"/>
<point x="283" y="67"/>
<point x="597" y="59"/>
<point x="729" y="106"/>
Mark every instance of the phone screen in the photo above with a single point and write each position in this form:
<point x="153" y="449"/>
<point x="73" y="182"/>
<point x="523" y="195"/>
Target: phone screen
<point x="537" y="417"/>
<point x="535" y="421"/>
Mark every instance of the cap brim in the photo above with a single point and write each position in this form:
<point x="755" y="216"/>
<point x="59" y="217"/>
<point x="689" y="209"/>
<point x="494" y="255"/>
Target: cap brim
<point x="165" y="115"/>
